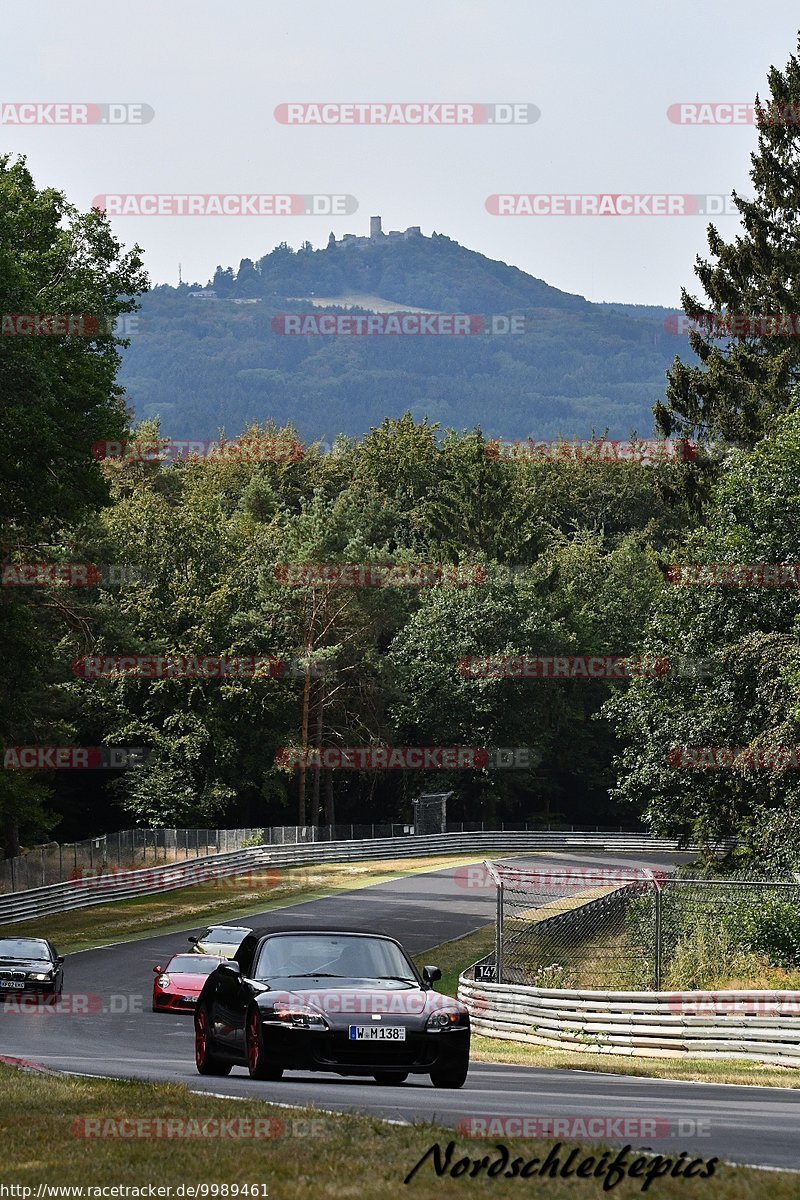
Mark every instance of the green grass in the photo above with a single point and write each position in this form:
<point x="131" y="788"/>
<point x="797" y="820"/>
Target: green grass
<point x="308" y="1155"/>
<point x="455" y="956"/>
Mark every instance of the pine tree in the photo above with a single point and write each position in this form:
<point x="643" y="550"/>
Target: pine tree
<point x="744" y="380"/>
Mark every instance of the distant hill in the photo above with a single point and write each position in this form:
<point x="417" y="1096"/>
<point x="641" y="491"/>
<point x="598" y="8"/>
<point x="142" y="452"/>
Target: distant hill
<point x="205" y="358"/>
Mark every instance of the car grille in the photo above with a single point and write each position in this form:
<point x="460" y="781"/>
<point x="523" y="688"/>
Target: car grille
<point x="18" y="975"/>
<point x="339" y="1050"/>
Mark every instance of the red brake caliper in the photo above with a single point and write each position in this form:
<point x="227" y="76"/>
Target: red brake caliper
<point x="253" y="1047"/>
<point x="200" y="1037"/>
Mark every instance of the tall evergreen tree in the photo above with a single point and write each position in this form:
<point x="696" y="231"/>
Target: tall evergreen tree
<point x="743" y="381"/>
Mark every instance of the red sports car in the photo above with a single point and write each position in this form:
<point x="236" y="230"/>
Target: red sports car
<point x="177" y="986"/>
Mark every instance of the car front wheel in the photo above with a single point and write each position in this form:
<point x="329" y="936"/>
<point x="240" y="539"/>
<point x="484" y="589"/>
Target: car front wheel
<point x="454" y="1075"/>
<point x="207" y="1062"/>
<point x="257" y="1062"/>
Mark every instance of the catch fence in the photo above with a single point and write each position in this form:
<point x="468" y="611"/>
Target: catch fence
<point x="636" y="929"/>
<point x="135" y="848"/>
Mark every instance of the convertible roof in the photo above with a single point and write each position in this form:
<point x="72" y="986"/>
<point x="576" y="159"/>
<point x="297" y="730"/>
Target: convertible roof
<point x="310" y="927"/>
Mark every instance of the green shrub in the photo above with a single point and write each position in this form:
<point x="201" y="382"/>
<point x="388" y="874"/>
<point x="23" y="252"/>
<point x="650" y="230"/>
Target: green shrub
<point x="771" y="927"/>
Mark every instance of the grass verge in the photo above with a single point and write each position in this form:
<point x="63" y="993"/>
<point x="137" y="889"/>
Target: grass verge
<point x="219" y="901"/>
<point x="301" y="1154"/>
<point x="454" y="957"/>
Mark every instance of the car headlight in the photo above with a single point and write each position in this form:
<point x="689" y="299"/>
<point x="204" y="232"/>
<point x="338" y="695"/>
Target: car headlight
<point x="41" y="976"/>
<point x="164" y="981"/>
<point x="443" y="1020"/>
<point x="298" y="1015"/>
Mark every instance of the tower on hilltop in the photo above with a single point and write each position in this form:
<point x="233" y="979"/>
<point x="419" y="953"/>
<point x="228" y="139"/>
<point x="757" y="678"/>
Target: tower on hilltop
<point x="375" y="230"/>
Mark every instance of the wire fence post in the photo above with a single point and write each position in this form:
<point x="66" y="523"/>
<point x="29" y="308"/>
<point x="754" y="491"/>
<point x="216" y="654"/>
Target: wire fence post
<point x="498" y="949"/>
<point x="657" y="962"/>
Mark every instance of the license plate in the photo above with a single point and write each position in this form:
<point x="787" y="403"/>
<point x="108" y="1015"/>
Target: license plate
<point x="189" y="999"/>
<point x="10" y="983"/>
<point x="377" y="1033"/>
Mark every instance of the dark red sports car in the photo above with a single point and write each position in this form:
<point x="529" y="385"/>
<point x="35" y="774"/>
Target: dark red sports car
<point x="177" y="986"/>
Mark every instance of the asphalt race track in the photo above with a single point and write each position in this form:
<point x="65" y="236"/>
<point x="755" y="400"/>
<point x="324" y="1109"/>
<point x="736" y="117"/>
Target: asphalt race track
<point x="120" y="1036"/>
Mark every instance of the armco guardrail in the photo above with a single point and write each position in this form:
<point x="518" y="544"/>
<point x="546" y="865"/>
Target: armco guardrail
<point x="83" y="893"/>
<point x="758" y="1025"/>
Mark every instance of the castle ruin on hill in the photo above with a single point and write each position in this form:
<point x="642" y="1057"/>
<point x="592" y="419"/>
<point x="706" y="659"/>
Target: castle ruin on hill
<point x="376" y="234"/>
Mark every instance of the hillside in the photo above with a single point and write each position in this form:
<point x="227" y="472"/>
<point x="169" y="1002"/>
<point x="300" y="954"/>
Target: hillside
<point x="215" y="360"/>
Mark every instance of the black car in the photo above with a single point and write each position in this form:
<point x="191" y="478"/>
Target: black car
<point x="350" y="1003"/>
<point x="30" y="966"/>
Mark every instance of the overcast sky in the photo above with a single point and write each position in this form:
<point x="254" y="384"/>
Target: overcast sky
<point x="602" y="74"/>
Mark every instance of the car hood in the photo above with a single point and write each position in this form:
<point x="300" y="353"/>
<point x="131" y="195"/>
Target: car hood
<point x="25" y="964"/>
<point x="355" y="1000"/>
<point x="185" y="979"/>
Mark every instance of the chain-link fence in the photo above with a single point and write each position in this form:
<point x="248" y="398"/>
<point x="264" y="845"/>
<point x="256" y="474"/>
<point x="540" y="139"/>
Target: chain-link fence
<point x="131" y="848"/>
<point x="632" y="929"/>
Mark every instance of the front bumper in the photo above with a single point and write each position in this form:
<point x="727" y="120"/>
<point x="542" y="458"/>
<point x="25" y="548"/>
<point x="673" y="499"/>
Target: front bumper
<point x="332" y="1050"/>
<point x="32" y="989"/>
<point x="167" y="1002"/>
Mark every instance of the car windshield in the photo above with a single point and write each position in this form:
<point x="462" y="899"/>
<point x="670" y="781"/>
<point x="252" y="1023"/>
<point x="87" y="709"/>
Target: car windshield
<point x="193" y="964"/>
<point x="334" y="955"/>
<point x="30" y="948"/>
<point x="225" y="937"/>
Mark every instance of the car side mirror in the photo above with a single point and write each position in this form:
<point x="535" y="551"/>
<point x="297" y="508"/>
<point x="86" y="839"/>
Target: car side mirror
<point x="431" y="974"/>
<point x="59" y="961"/>
<point x="193" y="941"/>
<point x="230" y="967"/>
<point x="158" y="970"/>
